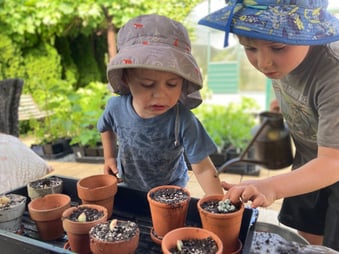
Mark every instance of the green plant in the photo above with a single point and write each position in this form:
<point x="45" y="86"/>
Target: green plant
<point x="88" y="104"/>
<point x="228" y="125"/>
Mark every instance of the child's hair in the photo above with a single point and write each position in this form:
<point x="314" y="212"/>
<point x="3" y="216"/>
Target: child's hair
<point x="158" y="43"/>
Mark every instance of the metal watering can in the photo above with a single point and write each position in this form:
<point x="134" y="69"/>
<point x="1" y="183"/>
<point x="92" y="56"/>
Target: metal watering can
<point x="272" y="144"/>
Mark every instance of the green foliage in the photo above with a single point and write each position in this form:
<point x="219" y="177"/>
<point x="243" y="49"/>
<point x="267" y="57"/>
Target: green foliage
<point x="11" y="60"/>
<point x="229" y="124"/>
<point x="88" y="104"/>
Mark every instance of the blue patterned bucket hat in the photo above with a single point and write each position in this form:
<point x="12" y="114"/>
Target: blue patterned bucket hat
<point x="159" y="43"/>
<point x="295" y="22"/>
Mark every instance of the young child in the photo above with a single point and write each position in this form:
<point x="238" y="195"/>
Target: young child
<point x="296" y="44"/>
<point x="158" y="81"/>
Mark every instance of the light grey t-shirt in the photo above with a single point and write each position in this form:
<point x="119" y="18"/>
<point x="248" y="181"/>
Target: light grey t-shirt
<point x="148" y="154"/>
<point x="309" y="101"/>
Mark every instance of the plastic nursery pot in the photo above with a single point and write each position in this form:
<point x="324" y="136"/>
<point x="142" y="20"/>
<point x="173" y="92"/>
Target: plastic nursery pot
<point x="78" y="231"/>
<point x="171" y="239"/>
<point x="99" y="190"/>
<point x="44" y="186"/>
<point x="169" y="211"/>
<point x="115" y="236"/>
<point x="46" y="212"/>
<point x="225" y="225"/>
<point x="12" y="207"/>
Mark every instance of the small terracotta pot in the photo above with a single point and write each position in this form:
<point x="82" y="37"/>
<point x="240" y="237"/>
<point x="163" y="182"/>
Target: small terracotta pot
<point x="99" y="190"/>
<point x="166" y="217"/>
<point x="46" y="212"/>
<point x="11" y="217"/>
<point x="186" y="233"/>
<point x="225" y="225"/>
<point x="44" y="190"/>
<point x="78" y="232"/>
<point x="128" y="246"/>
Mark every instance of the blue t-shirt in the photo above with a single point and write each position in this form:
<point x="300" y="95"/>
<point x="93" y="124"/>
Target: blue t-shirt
<point x="148" y="154"/>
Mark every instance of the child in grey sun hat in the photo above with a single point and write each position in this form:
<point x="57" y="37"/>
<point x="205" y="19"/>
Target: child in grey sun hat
<point x="164" y="47"/>
<point x="158" y="81"/>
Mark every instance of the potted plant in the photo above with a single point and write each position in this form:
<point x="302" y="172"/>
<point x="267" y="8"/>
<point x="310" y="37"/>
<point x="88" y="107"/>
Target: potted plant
<point x="44" y="186"/>
<point x="12" y="207"/>
<point x="115" y="236"/>
<point x="222" y="218"/>
<point x="78" y="221"/>
<point x="99" y="190"/>
<point x="191" y="240"/>
<point x="230" y="128"/>
<point x="46" y="212"/>
<point x="168" y="205"/>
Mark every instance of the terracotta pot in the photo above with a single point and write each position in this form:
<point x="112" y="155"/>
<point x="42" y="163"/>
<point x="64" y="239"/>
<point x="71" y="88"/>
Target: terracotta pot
<point x="225" y="225"/>
<point x="78" y="232"/>
<point x="99" y="190"/>
<point x="44" y="186"/>
<point x="127" y="246"/>
<point x="167" y="216"/>
<point x="46" y="212"/>
<point x="186" y="233"/>
<point x="11" y="213"/>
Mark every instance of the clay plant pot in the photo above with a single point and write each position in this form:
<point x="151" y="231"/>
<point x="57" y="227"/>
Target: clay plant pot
<point x="12" y="207"/>
<point x="168" y="205"/>
<point x="99" y="190"/>
<point x="46" y="212"/>
<point x="193" y="234"/>
<point x="115" y="236"/>
<point x="225" y="225"/>
<point x="78" y="229"/>
<point x="44" y="186"/>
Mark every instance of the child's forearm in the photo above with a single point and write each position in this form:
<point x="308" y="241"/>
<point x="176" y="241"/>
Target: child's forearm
<point x="108" y="140"/>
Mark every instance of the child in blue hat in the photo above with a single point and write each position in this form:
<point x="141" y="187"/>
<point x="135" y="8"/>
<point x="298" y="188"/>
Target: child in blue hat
<point x="296" y="44"/>
<point x="158" y="82"/>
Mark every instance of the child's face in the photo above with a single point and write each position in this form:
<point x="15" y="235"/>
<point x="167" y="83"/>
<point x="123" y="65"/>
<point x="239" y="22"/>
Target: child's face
<point x="273" y="59"/>
<point x="154" y="92"/>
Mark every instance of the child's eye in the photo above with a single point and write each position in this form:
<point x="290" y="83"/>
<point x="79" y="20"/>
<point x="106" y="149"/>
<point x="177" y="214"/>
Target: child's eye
<point x="147" y="85"/>
<point x="172" y="84"/>
<point x="278" y="48"/>
<point x="249" y="48"/>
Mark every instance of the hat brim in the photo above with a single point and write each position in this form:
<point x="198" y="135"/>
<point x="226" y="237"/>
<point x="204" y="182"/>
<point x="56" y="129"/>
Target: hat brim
<point x="157" y="57"/>
<point x="283" y="23"/>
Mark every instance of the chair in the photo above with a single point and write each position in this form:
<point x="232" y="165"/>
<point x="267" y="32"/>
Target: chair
<point x="10" y="92"/>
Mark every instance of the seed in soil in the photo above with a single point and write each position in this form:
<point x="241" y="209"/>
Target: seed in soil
<point x="10" y="200"/>
<point x="215" y="206"/>
<point x="169" y="195"/>
<point x="195" y="246"/>
<point x="115" y="230"/>
<point x="86" y="214"/>
<point x="46" y="183"/>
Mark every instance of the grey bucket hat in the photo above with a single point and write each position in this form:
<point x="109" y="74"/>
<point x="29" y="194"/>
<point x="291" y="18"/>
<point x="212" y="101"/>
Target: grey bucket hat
<point x="159" y="43"/>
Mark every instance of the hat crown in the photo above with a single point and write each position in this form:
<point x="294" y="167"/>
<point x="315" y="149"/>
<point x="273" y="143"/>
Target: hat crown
<point x="142" y="31"/>
<point x="307" y="4"/>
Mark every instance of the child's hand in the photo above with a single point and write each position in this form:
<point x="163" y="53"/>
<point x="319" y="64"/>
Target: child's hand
<point x="247" y="191"/>
<point x="110" y="168"/>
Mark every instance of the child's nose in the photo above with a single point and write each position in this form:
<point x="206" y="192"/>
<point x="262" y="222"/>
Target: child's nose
<point x="159" y="91"/>
<point x="264" y="61"/>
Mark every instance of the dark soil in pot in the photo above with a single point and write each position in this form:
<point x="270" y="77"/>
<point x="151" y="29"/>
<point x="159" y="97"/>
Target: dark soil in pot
<point x="169" y="196"/>
<point x="86" y="214"/>
<point x="44" y="186"/>
<point x="195" y="246"/>
<point x="114" y="230"/>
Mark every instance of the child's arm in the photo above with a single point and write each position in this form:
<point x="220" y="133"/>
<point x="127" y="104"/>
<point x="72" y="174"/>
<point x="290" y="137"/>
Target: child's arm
<point x="108" y="139"/>
<point x="205" y="173"/>
<point x="314" y="175"/>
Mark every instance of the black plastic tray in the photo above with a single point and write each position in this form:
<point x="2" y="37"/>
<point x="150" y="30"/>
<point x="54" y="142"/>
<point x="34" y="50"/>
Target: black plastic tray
<point x="129" y="205"/>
